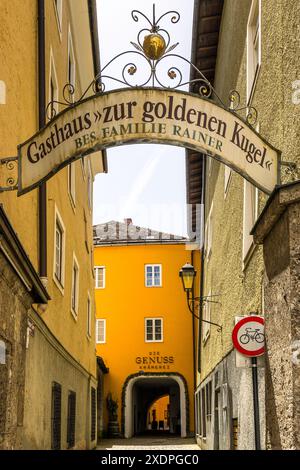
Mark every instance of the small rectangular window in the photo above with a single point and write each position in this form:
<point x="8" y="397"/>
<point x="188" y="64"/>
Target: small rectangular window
<point x="153" y="330"/>
<point x="153" y="276"/>
<point x="253" y="47"/>
<point x="56" y="417"/>
<point x="203" y="414"/>
<point x="53" y="87"/>
<point x="59" y="251"/>
<point x="100" y="331"/>
<point x="227" y="178"/>
<point x="71" y="419"/>
<point x="89" y="316"/>
<point x="72" y="182"/>
<point x="71" y="67"/>
<point x="208" y="390"/>
<point x="89" y="185"/>
<point x="209" y="233"/>
<point x="93" y="414"/>
<point x="206" y="317"/>
<point x="100" y="277"/>
<point x="75" y="287"/>
<point x="249" y="218"/>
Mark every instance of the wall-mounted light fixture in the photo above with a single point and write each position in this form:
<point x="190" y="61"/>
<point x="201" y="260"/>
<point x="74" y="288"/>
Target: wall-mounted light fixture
<point x="187" y="275"/>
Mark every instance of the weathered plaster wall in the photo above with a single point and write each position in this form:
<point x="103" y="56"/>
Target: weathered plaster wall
<point x="282" y="298"/>
<point x="48" y="361"/>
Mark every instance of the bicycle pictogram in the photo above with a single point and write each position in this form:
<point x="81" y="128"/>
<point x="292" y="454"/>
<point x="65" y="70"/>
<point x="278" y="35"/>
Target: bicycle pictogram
<point x="252" y="334"/>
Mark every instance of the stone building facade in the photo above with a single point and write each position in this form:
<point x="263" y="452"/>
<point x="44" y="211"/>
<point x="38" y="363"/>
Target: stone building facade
<point x="20" y="287"/>
<point x="250" y="46"/>
<point x="44" y="45"/>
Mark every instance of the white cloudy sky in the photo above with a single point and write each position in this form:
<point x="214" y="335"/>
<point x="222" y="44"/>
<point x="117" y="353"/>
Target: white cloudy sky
<point x="144" y="182"/>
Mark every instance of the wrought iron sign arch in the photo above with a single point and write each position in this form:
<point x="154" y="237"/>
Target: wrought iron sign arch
<point x="149" y="110"/>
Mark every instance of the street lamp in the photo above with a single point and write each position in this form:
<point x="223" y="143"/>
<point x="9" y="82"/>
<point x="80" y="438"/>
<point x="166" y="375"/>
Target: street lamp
<point x="187" y="275"/>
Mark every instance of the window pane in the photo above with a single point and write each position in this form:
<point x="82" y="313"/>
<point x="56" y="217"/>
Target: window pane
<point x="58" y="252"/>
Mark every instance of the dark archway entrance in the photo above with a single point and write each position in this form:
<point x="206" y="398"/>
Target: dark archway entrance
<point x="147" y="392"/>
<point x="141" y="391"/>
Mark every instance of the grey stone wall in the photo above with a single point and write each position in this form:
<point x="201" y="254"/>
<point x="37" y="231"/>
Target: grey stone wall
<point x="279" y="231"/>
<point x="234" y="388"/>
<point x="14" y="305"/>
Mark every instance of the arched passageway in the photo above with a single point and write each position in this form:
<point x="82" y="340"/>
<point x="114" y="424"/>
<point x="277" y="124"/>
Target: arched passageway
<point x="155" y="404"/>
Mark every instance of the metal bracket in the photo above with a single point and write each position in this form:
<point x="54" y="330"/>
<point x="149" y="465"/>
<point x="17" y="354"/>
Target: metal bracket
<point x="291" y="169"/>
<point x="200" y="300"/>
<point x="9" y="164"/>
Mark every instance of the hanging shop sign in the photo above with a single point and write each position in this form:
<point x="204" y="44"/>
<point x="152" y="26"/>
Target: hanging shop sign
<point x="147" y="115"/>
<point x="248" y="336"/>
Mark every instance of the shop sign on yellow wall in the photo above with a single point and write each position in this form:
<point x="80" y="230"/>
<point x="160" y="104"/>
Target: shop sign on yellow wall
<point x="154" y="361"/>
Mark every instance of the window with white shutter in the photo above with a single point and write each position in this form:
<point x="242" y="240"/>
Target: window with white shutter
<point x="100" y="331"/>
<point x="99" y="277"/>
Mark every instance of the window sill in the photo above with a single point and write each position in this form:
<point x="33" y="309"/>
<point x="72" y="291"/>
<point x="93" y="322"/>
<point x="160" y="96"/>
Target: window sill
<point x="74" y="314"/>
<point x="59" y="285"/>
<point x="154" y="341"/>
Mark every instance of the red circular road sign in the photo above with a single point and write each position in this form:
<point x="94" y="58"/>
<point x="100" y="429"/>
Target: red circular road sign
<point x="248" y="336"/>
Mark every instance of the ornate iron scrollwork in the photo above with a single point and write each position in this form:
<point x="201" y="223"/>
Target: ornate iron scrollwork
<point x="153" y="46"/>
<point x="10" y="165"/>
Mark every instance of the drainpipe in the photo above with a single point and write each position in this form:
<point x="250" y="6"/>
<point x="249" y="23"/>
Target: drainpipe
<point x="193" y="328"/>
<point x="42" y="191"/>
<point x="202" y="262"/>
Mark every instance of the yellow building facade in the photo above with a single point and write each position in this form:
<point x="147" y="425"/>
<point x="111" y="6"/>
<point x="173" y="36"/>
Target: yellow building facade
<point x="45" y="45"/>
<point x="144" y="330"/>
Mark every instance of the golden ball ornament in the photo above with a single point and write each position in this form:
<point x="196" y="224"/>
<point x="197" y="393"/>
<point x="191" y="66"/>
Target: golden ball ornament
<point x="154" y="46"/>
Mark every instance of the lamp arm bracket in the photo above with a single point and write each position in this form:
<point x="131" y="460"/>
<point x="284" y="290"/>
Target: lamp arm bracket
<point x="219" y="327"/>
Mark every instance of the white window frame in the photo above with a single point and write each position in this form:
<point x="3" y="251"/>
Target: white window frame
<point x="250" y="214"/>
<point x="89" y="316"/>
<point x="2" y="92"/>
<point x="104" y="330"/>
<point x="96" y="277"/>
<point x="227" y="179"/>
<point x="153" y="277"/>
<point x="89" y="185"/>
<point x="58" y="220"/>
<point x="253" y="35"/>
<point x="53" y="79"/>
<point x="207" y="317"/>
<point x="153" y="330"/>
<point x="75" y="310"/>
<point x="58" y="8"/>
<point x="72" y="183"/>
<point x="209" y="233"/>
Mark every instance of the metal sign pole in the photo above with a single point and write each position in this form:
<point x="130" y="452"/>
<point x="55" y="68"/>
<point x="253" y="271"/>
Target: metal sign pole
<point x="256" y="404"/>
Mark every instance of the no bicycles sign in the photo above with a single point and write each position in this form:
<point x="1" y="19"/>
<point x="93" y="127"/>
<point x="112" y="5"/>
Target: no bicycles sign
<point x="248" y="336"/>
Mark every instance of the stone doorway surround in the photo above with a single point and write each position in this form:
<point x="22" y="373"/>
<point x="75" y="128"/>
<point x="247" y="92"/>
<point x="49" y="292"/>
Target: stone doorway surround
<point x="127" y="427"/>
